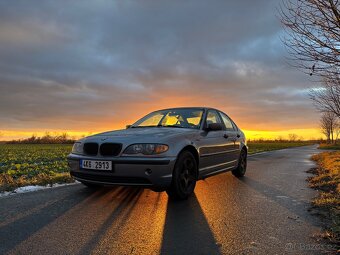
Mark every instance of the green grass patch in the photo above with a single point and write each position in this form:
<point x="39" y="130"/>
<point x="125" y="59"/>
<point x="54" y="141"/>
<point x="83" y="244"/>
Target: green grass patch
<point x="33" y="164"/>
<point x="255" y="147"/>
<point x="325" y="146"/>
<point x="327" y="181"/>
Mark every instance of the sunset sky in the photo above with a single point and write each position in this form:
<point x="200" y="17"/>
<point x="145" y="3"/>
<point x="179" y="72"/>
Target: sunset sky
<point x="91" y="66"/>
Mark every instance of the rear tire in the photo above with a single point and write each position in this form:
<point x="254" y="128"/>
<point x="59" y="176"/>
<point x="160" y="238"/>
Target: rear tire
<point x="91" y="185"/>
<point x="242" y="165"/>
<point x="184" y="177"/>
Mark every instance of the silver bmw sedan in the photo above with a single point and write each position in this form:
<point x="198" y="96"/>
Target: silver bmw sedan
<point x="167" y="150"/>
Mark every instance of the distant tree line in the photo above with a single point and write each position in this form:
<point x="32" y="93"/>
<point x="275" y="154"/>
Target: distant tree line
<point x="62" y="138"/>
<point x="290" y="139"/>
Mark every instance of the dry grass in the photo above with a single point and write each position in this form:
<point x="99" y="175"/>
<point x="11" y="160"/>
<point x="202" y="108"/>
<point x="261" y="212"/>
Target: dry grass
<point x="327" y="180"/>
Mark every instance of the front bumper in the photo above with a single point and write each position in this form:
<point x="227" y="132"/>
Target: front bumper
<point x="128" y="171"/>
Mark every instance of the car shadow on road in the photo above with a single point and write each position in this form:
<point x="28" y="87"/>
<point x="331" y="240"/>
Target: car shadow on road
<point x="187" y="229"/>
<point x="294" y="205"/>
<point x="15" y="232"/>
<point x="130" y="197"/>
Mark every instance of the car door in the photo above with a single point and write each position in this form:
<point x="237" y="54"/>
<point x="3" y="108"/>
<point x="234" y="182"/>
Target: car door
<point x="214" y="146"/>
<point x="233" y="135"/>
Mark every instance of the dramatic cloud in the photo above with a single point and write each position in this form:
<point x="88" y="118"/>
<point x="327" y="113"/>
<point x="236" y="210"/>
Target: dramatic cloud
<point x="92" y="65"/>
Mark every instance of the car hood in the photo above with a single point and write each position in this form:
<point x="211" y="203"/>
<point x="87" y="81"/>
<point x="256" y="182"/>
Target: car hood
<point x="152" y="134"/>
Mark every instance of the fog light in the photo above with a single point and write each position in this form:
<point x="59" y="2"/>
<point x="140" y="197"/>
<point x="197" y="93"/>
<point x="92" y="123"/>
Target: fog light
<point x="148" y="171"/>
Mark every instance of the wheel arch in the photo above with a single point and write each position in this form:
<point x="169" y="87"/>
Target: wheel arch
<point x="244" y="147"/>
<point x="194" y="152"/>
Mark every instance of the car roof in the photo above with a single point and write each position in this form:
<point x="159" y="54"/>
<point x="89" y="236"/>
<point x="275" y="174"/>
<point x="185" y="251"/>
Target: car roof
<point x="188" y="107"/>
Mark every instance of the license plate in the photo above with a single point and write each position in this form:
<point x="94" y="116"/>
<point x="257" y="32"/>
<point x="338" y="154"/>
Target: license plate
<point x="96" y="164"/>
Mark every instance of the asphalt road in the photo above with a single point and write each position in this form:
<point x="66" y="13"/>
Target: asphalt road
<point x="263" y="213"/>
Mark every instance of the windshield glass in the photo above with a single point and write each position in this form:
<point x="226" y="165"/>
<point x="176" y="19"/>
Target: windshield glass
<point x="181" y="118"/>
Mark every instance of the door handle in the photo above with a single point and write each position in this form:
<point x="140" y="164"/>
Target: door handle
<point x="225" y="136"/>
<point x="238" y="135"/>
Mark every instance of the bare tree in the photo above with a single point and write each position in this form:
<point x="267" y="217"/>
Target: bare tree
<point x="325" y="129"/>
<point x="336" y="130"/>
<point x="328" y="124"/>
<point x="313" y="35"/>
<point x="327" y="98"/>
<point x="292" y="137"/>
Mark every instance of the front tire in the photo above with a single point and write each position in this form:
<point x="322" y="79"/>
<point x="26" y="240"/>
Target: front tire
<point x="184" y="177"/>
<point x="242" y="165"/>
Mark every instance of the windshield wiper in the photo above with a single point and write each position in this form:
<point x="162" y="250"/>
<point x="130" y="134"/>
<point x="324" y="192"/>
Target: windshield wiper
<point x="172" y="126"/>
<point x="145" y="126"/>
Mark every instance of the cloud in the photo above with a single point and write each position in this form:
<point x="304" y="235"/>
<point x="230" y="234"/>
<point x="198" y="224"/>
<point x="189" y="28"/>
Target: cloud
<point x="97" y="64"/>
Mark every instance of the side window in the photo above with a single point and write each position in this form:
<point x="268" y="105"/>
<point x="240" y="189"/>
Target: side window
<point x="213" y="117"/>
<point x="234" y="125"/>
<point x="227" y="122"/>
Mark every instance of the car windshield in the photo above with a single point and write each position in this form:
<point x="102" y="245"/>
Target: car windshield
<point x="178" y="118"/>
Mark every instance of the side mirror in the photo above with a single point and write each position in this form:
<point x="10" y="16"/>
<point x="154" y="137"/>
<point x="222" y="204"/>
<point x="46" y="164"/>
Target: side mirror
<point x="128" y="126"/>
<point x="214" y="127"/>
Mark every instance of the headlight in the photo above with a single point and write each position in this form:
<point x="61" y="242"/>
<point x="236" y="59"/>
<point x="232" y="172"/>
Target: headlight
<point x="146" y="149"/>
<point x="77" y="148"/>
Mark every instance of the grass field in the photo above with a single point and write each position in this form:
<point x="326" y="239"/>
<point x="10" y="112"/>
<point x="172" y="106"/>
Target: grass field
<point x="325" y="146"/>
<point x="255" y="147"/>
<point x="33" y="164"/>
<point x="327" y="181"/>
<point x="42" y="164"/>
